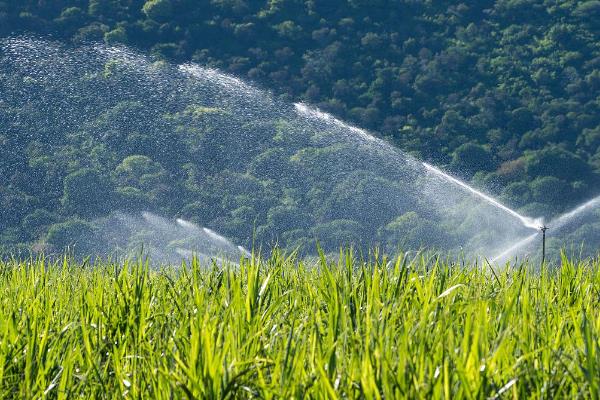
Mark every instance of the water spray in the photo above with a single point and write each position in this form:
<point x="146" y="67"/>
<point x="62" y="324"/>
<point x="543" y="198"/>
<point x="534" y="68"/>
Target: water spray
<point x="420" y="187"/>
<point x="526" y="221"/>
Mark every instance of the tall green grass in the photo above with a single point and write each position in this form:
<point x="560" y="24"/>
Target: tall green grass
<point x="280" y="328"/>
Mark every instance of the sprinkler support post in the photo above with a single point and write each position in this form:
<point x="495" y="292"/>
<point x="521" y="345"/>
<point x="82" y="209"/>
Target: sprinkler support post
<point x="543" y="228"/>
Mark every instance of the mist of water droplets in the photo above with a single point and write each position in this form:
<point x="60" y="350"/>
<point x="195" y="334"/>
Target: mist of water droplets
<point x="113" y="92"/>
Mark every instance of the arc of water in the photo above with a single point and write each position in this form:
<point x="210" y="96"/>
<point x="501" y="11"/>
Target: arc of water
<point x="521" y="243"/>
<point x="526" y="221"/>
<point x="231" y="85"/>
<point x="555" y="225"/>
<point x="216" y="236"/>
<point x="318" y="114"/>
<point x="566" y="217"/>
<point x="212" y="234"/>
<point x="311" y="112"/>
<point x="187" y="225"/>
<point x="244" y="251"/>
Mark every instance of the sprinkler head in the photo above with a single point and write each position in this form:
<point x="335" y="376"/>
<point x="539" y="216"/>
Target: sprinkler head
<point x="543" y="228"/>
<point x="534" y="223"/>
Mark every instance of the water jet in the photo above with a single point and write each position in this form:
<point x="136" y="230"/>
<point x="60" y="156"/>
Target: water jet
<point x="559" y="224"/>
<point x="291" y="171"/>
<point x="526" y="221"/>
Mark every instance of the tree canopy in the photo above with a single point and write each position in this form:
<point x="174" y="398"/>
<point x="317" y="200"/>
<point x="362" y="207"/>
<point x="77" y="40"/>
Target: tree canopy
<point x="501" y="92"/>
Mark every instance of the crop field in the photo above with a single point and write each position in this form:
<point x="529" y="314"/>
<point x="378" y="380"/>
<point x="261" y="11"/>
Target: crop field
<point x="278" y="327"/>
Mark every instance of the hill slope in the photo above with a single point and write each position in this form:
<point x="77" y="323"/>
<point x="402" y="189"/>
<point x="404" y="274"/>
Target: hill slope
<point x="504" y="93"/>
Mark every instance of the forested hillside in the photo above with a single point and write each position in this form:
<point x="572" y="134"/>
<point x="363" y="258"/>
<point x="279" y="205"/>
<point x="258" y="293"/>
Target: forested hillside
<point x="503" y="93"/>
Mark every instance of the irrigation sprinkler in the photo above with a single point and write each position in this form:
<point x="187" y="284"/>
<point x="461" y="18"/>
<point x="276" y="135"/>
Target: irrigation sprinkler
<point x="543" y="228"/>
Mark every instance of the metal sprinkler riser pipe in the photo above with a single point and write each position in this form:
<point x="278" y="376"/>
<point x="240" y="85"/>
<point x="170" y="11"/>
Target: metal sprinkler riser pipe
<point x="543" y="228"/>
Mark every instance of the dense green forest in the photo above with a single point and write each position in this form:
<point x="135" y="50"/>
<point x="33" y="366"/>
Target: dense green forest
<point x="505" y="94"/>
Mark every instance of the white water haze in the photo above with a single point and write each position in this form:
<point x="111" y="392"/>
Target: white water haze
<point x="166" y="241"/>
<point x="260" y="171"/>
<point x="558" y="225"/>
<point x="528" y="222"/>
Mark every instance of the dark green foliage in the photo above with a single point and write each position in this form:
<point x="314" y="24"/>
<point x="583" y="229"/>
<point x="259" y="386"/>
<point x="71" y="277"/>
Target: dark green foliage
<point x="14" y="205"/>
<point x="86" y="194"/>
<point x="588" y="10"/>
<point x="472" y="157"/>
<point x="74" y="233"/>
<point x="36" y="223"/>
<point x="158" y="9"/>
<point x="411" y="231"/>
<point x="557" y="162"/>
<point x="504" y="92"/>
